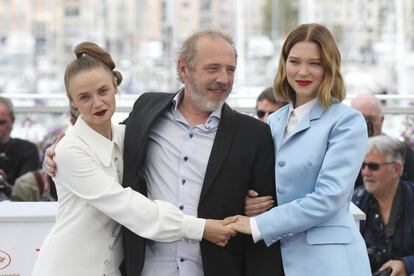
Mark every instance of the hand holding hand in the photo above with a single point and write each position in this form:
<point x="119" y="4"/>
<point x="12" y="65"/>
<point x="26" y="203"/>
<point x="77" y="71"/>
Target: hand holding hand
<point x="49" y="165"/>
<point x="241" y="224"/>
<point x="217" y="231"/>
<point x="255" y="205"/>
<point x="397" y="266"/>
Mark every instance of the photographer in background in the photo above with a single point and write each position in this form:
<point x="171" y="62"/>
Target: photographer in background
<point x="17" y="156"/>
<point x="388" y="202"/>
<point x="370" y="107"/>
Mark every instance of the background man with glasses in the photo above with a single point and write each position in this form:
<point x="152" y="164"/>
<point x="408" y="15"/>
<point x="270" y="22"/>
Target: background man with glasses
<point x="266" y="104"/>
<point x="369" y="105"/>
<point x="388" y="203"/>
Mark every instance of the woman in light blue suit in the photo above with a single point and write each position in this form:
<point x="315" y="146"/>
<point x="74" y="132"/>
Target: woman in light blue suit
<point x="320" y="145"/>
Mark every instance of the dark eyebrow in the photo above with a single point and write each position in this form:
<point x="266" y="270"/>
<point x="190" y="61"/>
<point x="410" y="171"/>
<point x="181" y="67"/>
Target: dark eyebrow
<point x="233" y="67"/>
<point x="212" y="64"/>
<point x="83" y="94"/>
<point x="103" y="87"/>
<point x="312" y="59"/>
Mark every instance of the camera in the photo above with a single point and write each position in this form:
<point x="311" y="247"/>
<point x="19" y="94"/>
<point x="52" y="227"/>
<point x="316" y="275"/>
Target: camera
<point x="377" y="257"/>
<point x="385" y="272"/>
<point x="3" y="160"/>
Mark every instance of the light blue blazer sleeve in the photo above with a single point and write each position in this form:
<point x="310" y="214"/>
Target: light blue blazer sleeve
<point x="315" y="170"/>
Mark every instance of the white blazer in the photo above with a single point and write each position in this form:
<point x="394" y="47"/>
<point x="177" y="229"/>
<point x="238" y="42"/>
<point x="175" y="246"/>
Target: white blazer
<point x="86" y="238"/>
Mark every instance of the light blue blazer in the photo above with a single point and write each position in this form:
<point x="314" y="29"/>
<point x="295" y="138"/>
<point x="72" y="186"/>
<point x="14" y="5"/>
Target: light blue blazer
<point x="315" y="170"/>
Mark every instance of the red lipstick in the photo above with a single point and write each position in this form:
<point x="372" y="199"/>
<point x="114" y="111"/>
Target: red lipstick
<point x="304" y="82"/>
<point x="100" y="113"/>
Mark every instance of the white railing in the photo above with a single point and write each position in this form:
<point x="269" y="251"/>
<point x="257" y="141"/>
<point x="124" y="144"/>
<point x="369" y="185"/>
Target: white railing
<point x="47" y="103"/>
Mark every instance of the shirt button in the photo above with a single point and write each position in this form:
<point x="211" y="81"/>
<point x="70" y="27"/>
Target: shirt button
<point x="191" y="135"/>
<point x="106" y="262"/>
<point x="183" y="181"/>
<point x="113" y="235"/>
<point x="116" y="158"/>
<point x="281" y="163"/>
<point x="182" y="259"/>
<point x="110" y="247"/>
<point x="185" y="158"/>
<point x="181" y="207"/>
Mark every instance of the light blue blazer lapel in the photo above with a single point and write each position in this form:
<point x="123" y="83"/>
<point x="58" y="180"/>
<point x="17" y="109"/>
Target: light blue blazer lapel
<point x="279" y="126"/>
<point x="305" y="123"/>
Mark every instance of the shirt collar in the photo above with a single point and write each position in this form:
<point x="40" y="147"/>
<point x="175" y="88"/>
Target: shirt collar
<point x="302" y="110"/>
<point x="213" y="119"/>
<point x="101" y="146"/>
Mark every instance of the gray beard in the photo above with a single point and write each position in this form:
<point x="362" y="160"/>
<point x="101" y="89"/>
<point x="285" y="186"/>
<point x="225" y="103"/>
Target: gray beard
<point x="201" y="101"/>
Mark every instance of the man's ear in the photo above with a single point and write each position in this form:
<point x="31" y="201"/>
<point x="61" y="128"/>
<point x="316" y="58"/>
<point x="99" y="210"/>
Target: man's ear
<point x="182" y="69"/>
<point x="396" y="169"/>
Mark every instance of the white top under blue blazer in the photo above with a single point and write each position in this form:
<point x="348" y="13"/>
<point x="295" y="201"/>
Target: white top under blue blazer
<point x="316" y="167"/>
<point x="86" y="239"/>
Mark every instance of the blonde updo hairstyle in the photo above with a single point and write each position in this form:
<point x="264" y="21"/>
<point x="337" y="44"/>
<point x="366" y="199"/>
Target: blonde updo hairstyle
<point x="332" y="88"/>
<point x="90" y="56"/>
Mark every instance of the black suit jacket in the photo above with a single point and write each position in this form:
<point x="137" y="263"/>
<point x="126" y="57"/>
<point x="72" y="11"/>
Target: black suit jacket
<point x="242" y="158"/>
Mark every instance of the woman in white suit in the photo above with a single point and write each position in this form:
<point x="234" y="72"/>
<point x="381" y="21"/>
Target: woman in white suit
<point x="86" y="238"/>
<point x="320" y="145"/>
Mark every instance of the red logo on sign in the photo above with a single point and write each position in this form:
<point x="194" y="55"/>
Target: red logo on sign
<point x="5" y="259"/>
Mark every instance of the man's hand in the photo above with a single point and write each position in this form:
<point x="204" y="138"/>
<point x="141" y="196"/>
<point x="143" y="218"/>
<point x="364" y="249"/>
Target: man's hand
<point x="3" y="173"/>
<point x="217" y="231"/>
<point x="397" y="266"/>
<point x="49" y="165"/>
<point x="241" y="224"/>
<point x="255" y="205"/>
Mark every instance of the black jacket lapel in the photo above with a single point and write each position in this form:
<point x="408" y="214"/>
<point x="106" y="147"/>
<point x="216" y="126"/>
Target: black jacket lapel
<point x="138" y="128"/>
<point x="220" y="148"/>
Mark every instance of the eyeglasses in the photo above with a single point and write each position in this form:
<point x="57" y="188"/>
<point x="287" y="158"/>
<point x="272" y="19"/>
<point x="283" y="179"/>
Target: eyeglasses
<point x="261" y="113"/>
<point x="375" y="166"/>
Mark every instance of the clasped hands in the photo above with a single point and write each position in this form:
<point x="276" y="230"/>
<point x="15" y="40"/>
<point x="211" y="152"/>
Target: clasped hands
<point x="219" y="232"/>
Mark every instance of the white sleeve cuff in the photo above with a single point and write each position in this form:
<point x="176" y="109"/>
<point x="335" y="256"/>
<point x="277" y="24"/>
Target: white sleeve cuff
<point x="256" y="235"/>
<point x="193" y="228"/>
